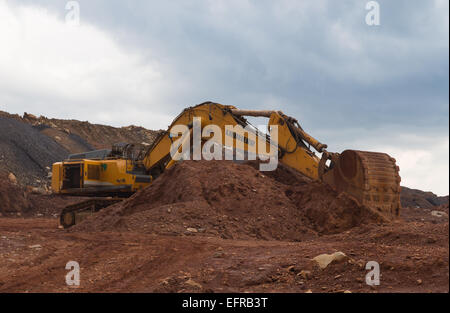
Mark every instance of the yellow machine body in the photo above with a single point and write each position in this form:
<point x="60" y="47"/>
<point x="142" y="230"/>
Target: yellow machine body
<point x="96" y="177"/>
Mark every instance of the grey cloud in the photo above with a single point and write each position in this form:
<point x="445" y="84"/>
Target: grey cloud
<point x="316" y="60"/>
<point x="319" y="58"/>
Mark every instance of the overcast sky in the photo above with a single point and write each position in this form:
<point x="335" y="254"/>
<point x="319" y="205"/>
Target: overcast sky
<point x="351" y="85"/>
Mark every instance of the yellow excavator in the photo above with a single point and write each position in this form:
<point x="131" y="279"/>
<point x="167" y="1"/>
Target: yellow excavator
<point x="109" y="176"/>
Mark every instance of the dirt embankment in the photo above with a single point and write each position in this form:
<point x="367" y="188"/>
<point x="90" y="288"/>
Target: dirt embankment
<point x="230" y="200"/>
<point x="422" y="199"/>
<point x="413" y="257"/>
<point x="26" y="152"/>
<point x="80" y="136"/>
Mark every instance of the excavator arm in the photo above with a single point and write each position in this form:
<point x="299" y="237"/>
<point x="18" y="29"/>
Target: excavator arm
<point x="291" y="143"/>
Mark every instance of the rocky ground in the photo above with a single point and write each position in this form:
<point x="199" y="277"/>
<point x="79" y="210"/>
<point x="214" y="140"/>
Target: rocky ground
<point x="232" y="229"/>
<point x="413" y="257"/>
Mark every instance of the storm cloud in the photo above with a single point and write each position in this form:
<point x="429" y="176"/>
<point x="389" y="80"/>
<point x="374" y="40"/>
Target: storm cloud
<point x="349" y="84"/>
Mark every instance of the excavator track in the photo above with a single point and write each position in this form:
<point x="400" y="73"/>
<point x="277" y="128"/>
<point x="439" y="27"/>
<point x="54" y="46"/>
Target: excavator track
<point x="75" y="213"/>
<point x="372" y="178"/>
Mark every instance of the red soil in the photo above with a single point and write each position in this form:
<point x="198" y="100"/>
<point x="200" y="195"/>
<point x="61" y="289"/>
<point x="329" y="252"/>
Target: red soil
<point x="231" y="200"/>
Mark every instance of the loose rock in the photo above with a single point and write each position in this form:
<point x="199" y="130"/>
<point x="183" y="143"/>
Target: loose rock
<point x="12" y="178"/>
<point x="193" y="283"/>
<point x="324" y="260"/>
<point x="439" y="213"/>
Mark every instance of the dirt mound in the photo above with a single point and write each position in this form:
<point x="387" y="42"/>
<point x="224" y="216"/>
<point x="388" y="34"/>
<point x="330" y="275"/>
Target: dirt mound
<point x="327" y="211"/>
<point x="415" y="198"/>
<point x="330" y="212"/>
<point x="26" y="152"/>
<point x="230" y="200"/>
<point x="13" y="198"/>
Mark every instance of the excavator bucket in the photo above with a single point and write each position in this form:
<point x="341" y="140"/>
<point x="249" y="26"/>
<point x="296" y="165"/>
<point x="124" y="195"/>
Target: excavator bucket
<point x="371" y="178"/>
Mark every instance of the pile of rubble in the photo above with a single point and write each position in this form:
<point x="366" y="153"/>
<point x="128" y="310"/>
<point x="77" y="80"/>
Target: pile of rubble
<point x="233" y="201"/>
